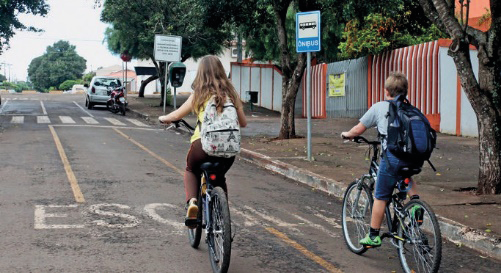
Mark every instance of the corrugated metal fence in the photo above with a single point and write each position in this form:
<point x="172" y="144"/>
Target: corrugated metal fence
<point x="354" y="103"/>
<point x="266" y="79"/>
<point x="318" y="91"/>
<point x="420" y="64"/>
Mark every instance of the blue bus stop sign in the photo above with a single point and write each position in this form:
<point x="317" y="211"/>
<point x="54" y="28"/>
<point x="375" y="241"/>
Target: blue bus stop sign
<point x="308" y="31"/>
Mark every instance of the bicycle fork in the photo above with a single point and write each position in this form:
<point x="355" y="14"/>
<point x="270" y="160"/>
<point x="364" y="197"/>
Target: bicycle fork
<point x="209" y="229"/>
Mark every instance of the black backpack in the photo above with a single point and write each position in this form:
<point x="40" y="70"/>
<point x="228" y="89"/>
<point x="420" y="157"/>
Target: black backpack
<point x="410" y="136"/>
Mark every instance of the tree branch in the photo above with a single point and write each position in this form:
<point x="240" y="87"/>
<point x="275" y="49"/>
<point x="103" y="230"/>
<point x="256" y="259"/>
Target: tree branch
<point x="280" y="10"/>
<point x="446" y="14"/>
<point x="432" y="14"/>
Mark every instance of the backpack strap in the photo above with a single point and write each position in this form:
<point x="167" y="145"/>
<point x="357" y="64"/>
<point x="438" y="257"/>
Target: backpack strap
<point x="431" y="165"/>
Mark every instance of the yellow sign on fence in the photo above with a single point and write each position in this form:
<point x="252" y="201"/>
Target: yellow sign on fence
<point x="337" y="85"/>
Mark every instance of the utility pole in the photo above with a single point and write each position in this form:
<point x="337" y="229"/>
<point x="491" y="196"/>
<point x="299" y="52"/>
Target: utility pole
<point x="5" y="69"/>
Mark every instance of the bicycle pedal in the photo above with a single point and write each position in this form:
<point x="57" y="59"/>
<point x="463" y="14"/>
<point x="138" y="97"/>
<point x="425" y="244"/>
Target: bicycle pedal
<point x="191" y="222"/>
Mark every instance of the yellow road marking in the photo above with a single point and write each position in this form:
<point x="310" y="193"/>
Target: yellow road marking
<point x="330" y="267"/>
<point x="67" y="167"/>
<point x="150" y="152"/>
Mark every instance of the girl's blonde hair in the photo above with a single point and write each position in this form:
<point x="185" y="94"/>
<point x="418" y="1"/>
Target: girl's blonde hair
<point x="211" y="80"/>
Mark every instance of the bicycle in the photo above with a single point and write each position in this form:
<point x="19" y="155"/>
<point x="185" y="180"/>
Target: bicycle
<point x="213" y="214"/>
<point x="417" y="239"/>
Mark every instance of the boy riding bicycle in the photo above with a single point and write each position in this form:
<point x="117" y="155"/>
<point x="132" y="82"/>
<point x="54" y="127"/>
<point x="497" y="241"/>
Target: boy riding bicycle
<point x="377" y="116"/>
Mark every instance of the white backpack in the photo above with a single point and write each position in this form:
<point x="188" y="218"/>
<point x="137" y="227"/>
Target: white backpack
<point x="220" y="132"/>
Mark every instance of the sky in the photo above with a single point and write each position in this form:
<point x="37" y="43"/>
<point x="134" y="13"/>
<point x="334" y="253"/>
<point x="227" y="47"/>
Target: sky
<point x="76" y="21"/>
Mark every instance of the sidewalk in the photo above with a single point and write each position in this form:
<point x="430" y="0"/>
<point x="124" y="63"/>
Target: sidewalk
<point x="466" y="219"/>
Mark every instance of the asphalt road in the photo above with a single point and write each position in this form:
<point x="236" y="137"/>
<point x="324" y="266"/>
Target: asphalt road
<point x="90" y="191"/>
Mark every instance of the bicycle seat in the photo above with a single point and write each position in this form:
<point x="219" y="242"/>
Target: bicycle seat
<point x="209" y="166"/>
<point x="408" y="171"/>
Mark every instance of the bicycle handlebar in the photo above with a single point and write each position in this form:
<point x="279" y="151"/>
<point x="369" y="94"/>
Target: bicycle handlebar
<point x="184" y="123"/>
<point x="361" y="139"/>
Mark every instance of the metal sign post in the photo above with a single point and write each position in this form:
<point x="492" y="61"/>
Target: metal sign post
<point x="167" y="49"/>
<point x="165" y="85"/>
<point x="308" y="40"/>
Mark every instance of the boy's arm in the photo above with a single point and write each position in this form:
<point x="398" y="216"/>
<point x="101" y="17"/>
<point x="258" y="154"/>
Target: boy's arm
<point x="355" y="131"/>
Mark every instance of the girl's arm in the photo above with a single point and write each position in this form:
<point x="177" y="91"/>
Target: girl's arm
<point x="178" y="114"/>
<point x="241" y="115"/>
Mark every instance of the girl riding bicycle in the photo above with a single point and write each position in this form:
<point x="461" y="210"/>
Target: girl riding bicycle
<point x="210" y="81"/>
<point x="395" y="85"/>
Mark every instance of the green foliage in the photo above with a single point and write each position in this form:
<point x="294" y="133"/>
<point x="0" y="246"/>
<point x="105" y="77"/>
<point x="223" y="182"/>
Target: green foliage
<point x="9" y="12"/>
<point x="67" y="85"/>
<point x="400" y="24"/>
<point x="2" y="78"/>
<point x="88" y="77"/>
<point x="59" y="63"/>
<point x="135" y="32"/>
<point x="18" y="86"/>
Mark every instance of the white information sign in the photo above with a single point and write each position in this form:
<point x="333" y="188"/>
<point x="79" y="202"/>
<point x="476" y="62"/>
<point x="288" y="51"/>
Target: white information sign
<point x="168" y="48"/>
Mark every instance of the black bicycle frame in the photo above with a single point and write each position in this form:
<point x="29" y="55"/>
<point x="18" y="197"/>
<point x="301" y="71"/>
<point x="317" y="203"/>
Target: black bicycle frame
<point x="207" y="203"/>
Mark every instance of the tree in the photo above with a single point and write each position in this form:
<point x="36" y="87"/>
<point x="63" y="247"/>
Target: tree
<point x="67" y="85"/>
<point x="135" y="33"/>
<point x="484" y="94"/>
<point x="9" y="23"/>
<point x="59" y="63"/>
<point x="2" y="78"/>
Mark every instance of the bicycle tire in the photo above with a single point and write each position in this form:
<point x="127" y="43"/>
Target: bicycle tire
<point x="195" y="234"/>
<point x="411" y="258"/>
<point x="221" y="231"/>
<point x="361" y="225"/>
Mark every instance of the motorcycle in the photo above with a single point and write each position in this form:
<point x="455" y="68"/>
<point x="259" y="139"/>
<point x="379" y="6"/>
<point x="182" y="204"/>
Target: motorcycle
<point x="117" y="102"/>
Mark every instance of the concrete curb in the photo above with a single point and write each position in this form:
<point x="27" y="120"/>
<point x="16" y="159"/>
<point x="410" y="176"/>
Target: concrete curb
<point x="139" y="114"/>
<point x="451" y="230"/>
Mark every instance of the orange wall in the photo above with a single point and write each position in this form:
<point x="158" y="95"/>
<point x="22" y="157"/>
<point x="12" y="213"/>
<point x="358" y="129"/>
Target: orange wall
<point x="477" y="7"/>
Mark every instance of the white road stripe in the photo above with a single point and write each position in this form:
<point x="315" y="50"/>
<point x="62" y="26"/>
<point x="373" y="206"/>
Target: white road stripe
<point x="115" y="121"/>
<point x="3" y="105"/>
<point x="311" y="224"/>
<point x="87" y="112"/>
<point x="331" y="221"/>
<point x="43" y="119"/>
<point x="17" y="119"/>
<point x="136" y="122"/>
<point x="43" y="108"/>
<point x="272" y="219"/>
<point x="66" y="119"/>
<point x="90" y="120"/>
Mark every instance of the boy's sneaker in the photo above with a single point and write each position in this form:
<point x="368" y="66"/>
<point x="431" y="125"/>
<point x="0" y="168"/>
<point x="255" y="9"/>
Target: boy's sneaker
<point x="417" y="213"/>
<point x="368" y="242"/>
<point x="191" y="214"/>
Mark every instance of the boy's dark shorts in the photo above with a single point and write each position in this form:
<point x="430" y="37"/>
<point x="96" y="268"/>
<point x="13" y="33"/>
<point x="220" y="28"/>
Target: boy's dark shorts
<point x="387" y="178"/>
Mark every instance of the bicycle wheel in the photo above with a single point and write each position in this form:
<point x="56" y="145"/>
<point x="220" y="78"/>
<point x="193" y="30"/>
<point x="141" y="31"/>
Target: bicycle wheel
<point x="220" y="237"/>
<point x="357" y="209"/>
<point x="421" y="251"/>
<point x="195" y="234"/>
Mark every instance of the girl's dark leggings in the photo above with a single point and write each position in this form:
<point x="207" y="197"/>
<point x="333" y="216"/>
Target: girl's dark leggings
<point x="197" y="156"/>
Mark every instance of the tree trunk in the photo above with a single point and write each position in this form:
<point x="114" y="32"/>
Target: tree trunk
<point x="291" y="76"/>
<point x="480" y="94"/>
<point x="290" y="87"/>
<point x="145" y="83"/>
<point x="484" y="94"/>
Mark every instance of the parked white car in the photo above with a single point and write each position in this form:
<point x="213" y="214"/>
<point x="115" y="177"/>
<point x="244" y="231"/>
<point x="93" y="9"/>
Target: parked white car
<point x="99" y="90"/>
